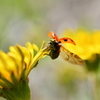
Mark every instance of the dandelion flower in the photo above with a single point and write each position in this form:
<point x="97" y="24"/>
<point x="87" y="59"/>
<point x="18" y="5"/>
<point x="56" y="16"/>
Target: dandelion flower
<point x="87" y="44"/>
<point x="14" y="69"/>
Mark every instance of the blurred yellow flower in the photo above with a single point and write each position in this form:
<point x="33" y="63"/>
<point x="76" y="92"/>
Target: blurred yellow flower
<point x="14" y="69"/>
<point x="87" y="42"/>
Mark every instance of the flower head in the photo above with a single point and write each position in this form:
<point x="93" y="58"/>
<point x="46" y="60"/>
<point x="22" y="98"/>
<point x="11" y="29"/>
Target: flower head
<point x="87" y="44"/>
<point x="14" y="69"/>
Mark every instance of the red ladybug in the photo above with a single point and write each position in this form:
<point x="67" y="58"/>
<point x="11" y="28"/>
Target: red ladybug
<point x="57" y="49"/>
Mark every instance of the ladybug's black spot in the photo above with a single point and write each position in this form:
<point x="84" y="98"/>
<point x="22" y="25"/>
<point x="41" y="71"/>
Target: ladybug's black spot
<point x="59" y="41"/>
<point x="65" y="40"/>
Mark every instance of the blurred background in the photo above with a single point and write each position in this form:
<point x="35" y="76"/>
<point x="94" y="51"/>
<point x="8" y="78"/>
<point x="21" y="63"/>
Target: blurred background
<point x="31" y="20"/>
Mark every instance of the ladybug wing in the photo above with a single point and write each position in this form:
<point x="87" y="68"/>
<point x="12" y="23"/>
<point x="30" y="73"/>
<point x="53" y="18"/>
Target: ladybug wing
<point x="53" y="35"/>
<point x="71" y="57"/>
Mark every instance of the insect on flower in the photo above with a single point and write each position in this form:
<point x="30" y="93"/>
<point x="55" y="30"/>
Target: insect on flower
<point x="57" y="49"/>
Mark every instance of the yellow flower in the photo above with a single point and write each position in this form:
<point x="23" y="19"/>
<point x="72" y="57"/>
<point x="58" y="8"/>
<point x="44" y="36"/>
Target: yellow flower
<point x="14" y="69"/>
<point x="87" y="43"/>
<point x="87" y="46"/>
